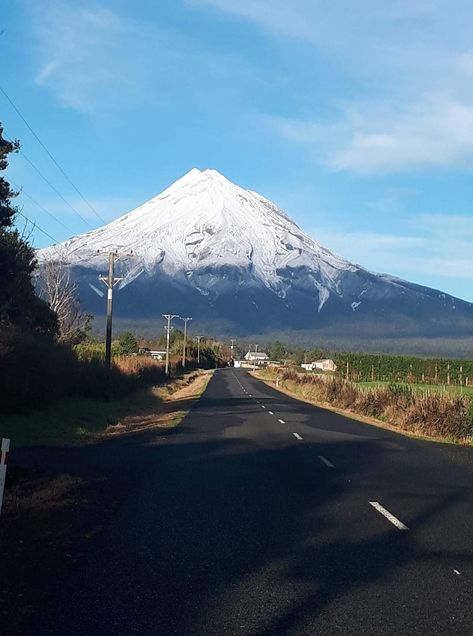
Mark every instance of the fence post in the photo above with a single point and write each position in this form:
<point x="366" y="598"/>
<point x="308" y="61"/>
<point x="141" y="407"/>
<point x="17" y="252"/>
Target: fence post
<point x="5" y="447"/>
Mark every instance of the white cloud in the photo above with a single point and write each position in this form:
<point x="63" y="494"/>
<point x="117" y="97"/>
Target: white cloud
<point x="436" y="132"/>
<point x="82" y="56"/>
<point x="411" y="61"/>
<point x="93" y="59"/>
<point x="435" y="250"/>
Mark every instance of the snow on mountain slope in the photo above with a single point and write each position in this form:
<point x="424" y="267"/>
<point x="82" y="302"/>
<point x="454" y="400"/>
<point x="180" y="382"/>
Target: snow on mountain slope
<point x="203" y="220"/>
<point x="233" y="256"/>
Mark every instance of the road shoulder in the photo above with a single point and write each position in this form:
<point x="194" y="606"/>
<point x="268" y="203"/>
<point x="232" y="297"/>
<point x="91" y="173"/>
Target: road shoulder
<point x="59" y="499"/>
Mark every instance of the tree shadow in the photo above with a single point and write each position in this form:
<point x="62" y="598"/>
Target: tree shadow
<point x="232" y="536"/>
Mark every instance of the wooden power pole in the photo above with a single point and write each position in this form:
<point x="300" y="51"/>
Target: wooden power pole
<point x="110" y="281"/>
<point x="198" y="338"/>
<point x="167" y="327"/>
<point x="186" y="320"/>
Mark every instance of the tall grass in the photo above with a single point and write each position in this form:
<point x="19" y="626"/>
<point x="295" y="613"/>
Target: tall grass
<point x="439" y="415"/>
<point x="35" y="371"/>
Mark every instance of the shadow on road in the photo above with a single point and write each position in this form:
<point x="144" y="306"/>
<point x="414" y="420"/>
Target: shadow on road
<point x="227" y="535"/>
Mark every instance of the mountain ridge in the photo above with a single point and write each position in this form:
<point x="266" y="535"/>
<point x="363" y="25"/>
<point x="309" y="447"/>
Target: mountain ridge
<point x="207" y="245"/>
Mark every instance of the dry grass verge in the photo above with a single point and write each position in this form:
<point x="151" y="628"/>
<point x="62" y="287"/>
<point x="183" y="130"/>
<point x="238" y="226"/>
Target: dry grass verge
<point x="61" y="495"/>
<point x="84" y="420"/>
<point x="173" y="404"/>
<point x="443" y="417"/>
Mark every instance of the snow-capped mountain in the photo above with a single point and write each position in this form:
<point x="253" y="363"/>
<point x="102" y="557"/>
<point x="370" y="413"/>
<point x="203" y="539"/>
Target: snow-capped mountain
<point x="218" y="252"/>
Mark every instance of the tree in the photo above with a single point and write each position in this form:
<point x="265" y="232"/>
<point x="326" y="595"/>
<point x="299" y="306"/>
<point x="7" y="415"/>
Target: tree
<point x="298" y="356"/>
<point x="127" y="344"/>
<point x="19" y="304"/>
<point x="57" y="288"/>
<point x="277" y="351"/>
<point x="7" y="210"/>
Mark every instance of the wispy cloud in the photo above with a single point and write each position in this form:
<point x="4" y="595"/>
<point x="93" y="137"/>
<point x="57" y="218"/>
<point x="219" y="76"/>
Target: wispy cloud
<point x="93" y="58"/>
<point x="83" y="60"/>
<point x="435" y="249"/>
<point x="436" y="132"/>
<point x="413" y="63"/>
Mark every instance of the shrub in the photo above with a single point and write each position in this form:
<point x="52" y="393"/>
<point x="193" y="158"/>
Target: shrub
<point x="435" y="414"/>
<point x="439" y="415"/>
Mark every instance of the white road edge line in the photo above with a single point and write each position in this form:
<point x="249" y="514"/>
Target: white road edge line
<point x="281" y="421"/>
<point x="325" y="461"/>
<point x="394" y="520"/>
<point x="297" y="436"/>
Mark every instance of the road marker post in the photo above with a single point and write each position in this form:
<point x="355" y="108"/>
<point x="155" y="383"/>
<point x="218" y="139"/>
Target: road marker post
<point x="5" y="447"/>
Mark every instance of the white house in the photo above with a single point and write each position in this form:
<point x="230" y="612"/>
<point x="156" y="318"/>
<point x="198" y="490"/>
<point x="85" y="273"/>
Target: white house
<point x="158" y="354"/>
<point x="325" y="365"/>
<point x="257" y="357"/>
<point x="321" y="365"/>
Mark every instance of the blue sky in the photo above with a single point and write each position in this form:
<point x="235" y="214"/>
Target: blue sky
<point x="355" y="118"/>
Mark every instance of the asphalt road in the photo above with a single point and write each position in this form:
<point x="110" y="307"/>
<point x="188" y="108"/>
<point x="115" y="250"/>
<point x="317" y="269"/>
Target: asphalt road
<point x="254" y="517"/>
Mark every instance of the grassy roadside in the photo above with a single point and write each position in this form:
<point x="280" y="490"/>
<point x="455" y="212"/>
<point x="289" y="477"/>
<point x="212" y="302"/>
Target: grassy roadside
<point x="447" y="425"/>
<point x="63" y="490"/>
<point x="83" y="420"/>
<point x="452" y="389"/>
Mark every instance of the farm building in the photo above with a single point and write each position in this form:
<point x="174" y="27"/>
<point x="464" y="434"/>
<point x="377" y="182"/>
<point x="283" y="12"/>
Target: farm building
<point x="257" y="357"/>
<point x="158" y="354"/>
<point x="320" y="365"/>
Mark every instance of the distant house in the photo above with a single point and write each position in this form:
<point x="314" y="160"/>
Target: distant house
<point x="257" y="357"/>
<point x="325" y="365"/>
<point x="320" y="365"/>
<point x="158" y="354"/>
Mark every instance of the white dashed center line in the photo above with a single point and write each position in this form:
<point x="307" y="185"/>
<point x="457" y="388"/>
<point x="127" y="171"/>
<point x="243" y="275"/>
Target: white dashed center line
<point x="297" y="436"/>
<point x="394" y="520"/>
<point x="270" y="412"/>
<point x="263" y="406"/>
<point x="325" y="461"/>
<point x="281" y="421"/>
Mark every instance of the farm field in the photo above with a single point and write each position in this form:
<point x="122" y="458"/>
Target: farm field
<point x="454" y="389"/>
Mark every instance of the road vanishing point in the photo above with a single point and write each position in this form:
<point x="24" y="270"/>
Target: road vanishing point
<point x="285" y="520"/>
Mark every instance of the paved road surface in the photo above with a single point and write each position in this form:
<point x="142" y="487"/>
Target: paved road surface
<point x="254" y="517"/>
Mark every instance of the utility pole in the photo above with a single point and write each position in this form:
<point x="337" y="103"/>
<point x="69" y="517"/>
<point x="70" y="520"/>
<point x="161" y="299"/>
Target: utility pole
<point x="186" y="320"/>
<point x="110" y="281"/>
<point x="198" y="349"/>
<point x="167" y="327"/>
<point x="231" y="346"/>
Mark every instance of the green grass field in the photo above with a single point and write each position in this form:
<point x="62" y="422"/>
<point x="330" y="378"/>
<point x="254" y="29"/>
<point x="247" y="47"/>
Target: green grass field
<point x="82" y="420"/>
<point x="424" y="388"/>
<point x="75" y="420"/>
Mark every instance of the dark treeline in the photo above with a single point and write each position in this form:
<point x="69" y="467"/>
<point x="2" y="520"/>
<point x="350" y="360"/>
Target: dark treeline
<point x="46" y="352"/>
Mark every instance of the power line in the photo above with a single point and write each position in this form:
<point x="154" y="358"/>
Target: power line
<point x="50" y="155"/>
<point x="46" y="180"/>
<point x="34" y="224"/>
<point x="41" y="207"/>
